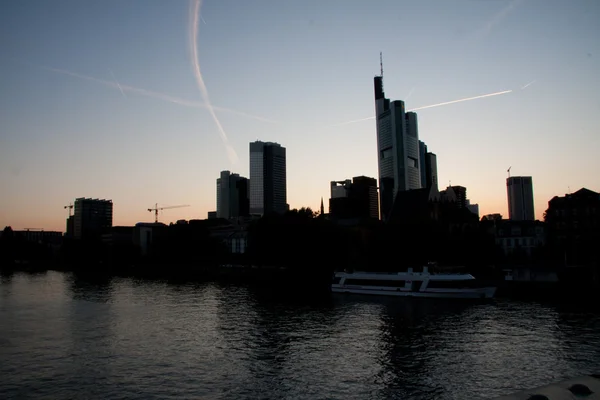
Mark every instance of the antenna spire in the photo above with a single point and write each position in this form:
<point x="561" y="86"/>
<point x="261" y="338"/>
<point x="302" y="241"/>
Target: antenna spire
<point x="381" y="62"/>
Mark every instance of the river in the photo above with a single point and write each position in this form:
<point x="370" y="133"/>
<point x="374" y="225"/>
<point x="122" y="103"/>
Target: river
<point x="62" y="336"/>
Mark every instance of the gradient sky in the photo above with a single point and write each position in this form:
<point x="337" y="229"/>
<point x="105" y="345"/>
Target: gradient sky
<point x="308" y="66"/>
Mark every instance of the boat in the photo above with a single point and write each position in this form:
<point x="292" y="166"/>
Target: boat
<point x="412" y="284"/>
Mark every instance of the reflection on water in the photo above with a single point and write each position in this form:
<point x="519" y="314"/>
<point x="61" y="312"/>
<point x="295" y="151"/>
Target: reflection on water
<point x="64" y="336"/>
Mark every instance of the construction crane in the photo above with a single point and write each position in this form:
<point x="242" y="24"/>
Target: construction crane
<point x="508" y="170"/>
<point x="156" y="209"/>
<point x="70" y="207"/>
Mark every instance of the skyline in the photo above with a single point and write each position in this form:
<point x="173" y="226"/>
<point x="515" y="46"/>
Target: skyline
<point x="104" y="100"/>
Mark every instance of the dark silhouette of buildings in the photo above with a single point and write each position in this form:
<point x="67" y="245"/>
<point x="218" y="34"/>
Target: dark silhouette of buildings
<point x="520" y="198"/>
<point x="356" y="199"/>
<point x="427" y="167"/>
<point x="268" y="179"/>
<point x="574" y="226"/>
<point x="461" y="195"/>
<point x="92" y="218"/>
<point x="232" y="196"/>
<point x="397" y="148"/>
<point x="520" y="239"/>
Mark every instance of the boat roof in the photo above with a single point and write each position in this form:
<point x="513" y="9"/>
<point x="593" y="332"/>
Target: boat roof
<point x="404" y="275"/>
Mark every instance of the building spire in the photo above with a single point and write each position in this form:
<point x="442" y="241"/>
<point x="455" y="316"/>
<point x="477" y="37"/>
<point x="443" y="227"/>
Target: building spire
<point x="381" y="62"/>
<point x="322" y="207"/>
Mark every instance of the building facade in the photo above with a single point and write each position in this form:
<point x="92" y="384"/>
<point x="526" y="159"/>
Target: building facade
<point x="520" y="198"/>
<point x="268" y="178"/>
<point x="92" y="218"/>
<point x="397" y="148"/>
<point x="573" y="222"/>
<point x="356" y="198"/>
<point x="232" y="196"/>
<point x="431" y="173"/>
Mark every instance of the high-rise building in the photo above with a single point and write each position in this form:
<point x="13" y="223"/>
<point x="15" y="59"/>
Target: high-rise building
<point x="423" y="163"/>
<point x="268" y="187"/>
<point x="431" y="174"/>
<point x="356" y="198"/>
<point x="91" y="218"/>
<point x="427" y="167"/>
<point x="397" y="148"/>
<point x="461" y="196"/>
<point x="232" y="196"/>
<point x="520" y="198"/>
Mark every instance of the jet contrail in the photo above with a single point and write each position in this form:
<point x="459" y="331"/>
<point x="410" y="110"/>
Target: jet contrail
<point x="461" y="100"/>
<point x="117" y="82"/>
<point x="527" y="85"/>
<point x="156" y="95"/>
<point x="197" y="4"/>
<point x="433" y="105"/>
<point x="409" y="94"/>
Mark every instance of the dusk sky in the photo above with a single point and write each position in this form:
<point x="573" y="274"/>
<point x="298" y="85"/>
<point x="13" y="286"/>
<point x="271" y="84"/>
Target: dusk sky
<point x="102" y="99"/>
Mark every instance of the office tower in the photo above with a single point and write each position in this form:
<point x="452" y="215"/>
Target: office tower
<point x="431" y="174"/>
<point x="427" y="167"/>
<point x="92" y="218"/>
<point x="520" y="198"/>
<point x="268" y="188"/>
<point x="356" y="198"/>
<point x="423" y="163"/>
<point x="461" y="196"/>
<point x="232" y="196"/>
<point x="397" y="148"/>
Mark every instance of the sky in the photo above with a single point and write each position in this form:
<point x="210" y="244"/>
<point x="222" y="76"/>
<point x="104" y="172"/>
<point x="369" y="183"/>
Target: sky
<point x="105" y="99"/>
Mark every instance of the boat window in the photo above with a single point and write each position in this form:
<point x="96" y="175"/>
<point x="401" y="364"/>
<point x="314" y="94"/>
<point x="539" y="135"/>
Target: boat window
<point x="374" y="282"/>
<point x="466" y="284"/>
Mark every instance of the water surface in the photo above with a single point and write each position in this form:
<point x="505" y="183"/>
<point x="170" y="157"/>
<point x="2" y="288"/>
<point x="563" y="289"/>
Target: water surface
<point x="67" y="337"/>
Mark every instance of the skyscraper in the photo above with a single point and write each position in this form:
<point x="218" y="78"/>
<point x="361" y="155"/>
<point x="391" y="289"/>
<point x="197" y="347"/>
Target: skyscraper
<point x="397" y="148"/>
<point x="520" y="198"/>
<point x="431" y="174"/>
<point x="422" y="163"/>
<point x="268" y="187"/>
<point x="427" y="167"/>
<point x="356" y="198"/>
<point x="91" y="218"/>
<point x="232" y="196"/>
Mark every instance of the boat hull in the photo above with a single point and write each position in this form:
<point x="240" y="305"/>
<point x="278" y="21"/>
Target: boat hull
<point x="480" y="293"/>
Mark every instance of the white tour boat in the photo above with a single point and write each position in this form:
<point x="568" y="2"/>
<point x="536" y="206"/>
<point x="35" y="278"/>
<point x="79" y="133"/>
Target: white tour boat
<point x="412" y="284"/>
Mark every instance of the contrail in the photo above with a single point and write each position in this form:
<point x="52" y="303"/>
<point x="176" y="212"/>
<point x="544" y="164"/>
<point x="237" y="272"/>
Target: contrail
<point x="117" y="82"/>
<point x="197" y="4"/>
<point x="409" y="94"/>
<point x="156" y="95"/>
<point x="203" y="20"/>
<point x="434" y="105"/>
<point x="461" y="100"/>
<point x="529" y="84"/>
<point x="498" y="17"/>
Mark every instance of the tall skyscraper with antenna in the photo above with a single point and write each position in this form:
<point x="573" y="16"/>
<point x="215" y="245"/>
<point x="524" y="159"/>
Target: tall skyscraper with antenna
<point x="397" y="147"/>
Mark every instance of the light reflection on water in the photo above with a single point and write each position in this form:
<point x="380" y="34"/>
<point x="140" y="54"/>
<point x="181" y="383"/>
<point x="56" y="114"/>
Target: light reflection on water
<point x="65" y="337"/>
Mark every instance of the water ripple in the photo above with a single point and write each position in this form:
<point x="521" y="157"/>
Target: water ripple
<point x="63" y="336"/>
